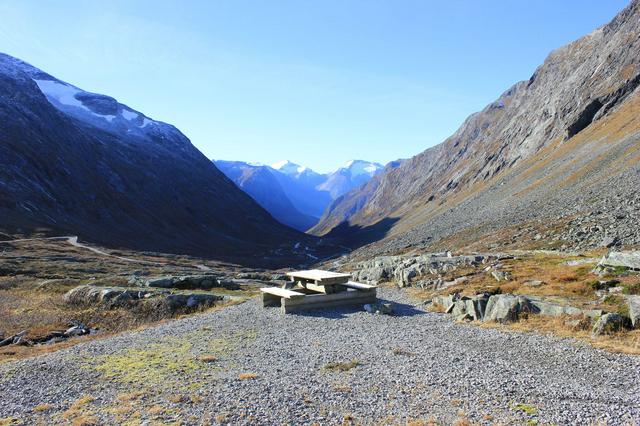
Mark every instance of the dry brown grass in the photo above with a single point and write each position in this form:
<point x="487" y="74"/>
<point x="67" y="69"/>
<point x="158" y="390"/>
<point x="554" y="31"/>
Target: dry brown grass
<point x="42" y="407"/>
<point x="342" y="365"/>
<point x="78" y="412"/>
<point x="156" y="410"/>
<point x="401" y="351"/>
<point x="247" y="376"/>
<point x="627" y="341"/>
<point x="567" y="284"/>
<point x="342" y="387"/>
<point x="178" y="398"/>
<point x="560" y="280"/>
<point x="208" y="358"/>
<point x="421" y="422"/>
<point x="85" y="420"/>
<point x="463" y="421"/>
<point x="349" y="420"/>
<point x="221" y="417"/>
<point x="131" y="396"/>
<point x="34" y="276"/>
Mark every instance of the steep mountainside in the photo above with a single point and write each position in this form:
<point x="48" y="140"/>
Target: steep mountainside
<point x="75" y="162"/>
<point x="560" y="145"/>
<point x="261" y="184"/>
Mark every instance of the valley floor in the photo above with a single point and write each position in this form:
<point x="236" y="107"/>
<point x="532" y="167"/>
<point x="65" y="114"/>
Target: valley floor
<point x="249" y="365"/>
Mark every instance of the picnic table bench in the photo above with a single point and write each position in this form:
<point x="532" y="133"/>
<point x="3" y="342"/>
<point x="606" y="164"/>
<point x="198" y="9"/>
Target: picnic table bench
<point x="313" y="289"/>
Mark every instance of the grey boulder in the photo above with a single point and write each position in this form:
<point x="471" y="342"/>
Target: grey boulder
<point x="609" y="323"/>
<point x="470" y="308"/>
<point x="506" y="308"/>
<point x="191" y="301"/>
<point x="543" y="307"/>
<point x="203" y="282"/>
<point x="626" y="259"/>
<point x="634" y="310"/>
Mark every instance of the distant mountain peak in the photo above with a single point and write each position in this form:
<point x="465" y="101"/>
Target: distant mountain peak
<point x="359" y="167"/>
<point x="290" y="168"/>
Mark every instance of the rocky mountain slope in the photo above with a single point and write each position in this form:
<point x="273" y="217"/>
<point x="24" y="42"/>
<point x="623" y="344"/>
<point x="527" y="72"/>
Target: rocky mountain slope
<point x="555" y="156"/>
<point x="75" y="162"/>
<point x="296" y="195"/>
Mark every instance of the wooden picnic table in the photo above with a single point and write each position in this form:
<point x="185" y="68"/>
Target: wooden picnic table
<point x="326" y="282"/>
<point x="315" y="288"/>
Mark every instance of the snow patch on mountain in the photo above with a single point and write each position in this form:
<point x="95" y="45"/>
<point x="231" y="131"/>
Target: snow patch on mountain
<point x="63" y="93"/>
<point x="290" y="168"/>
<point x="65" y="97"/>
<point x="360" y="167"/>
<point x="129" y="115"/>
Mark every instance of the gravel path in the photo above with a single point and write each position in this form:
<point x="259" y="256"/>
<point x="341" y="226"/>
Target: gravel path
<point x="249" y="365"/>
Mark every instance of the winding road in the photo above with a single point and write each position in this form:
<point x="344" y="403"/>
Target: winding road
<point x="73" y="240"/>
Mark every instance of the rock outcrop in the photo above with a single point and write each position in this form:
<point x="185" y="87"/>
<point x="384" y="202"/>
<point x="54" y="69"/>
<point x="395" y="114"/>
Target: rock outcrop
<point x="609" y="323"/>
<point x="407" y="270"/>
<point x="634" y="310"/>
<point x="504" y="308"/>
<point x="627" y="259"/>
<point x="202" y="282"/>
<point x="111" y="297"/>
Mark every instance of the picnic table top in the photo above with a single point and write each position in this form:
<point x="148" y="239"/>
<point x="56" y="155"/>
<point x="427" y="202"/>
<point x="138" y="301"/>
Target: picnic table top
<point x="320" y="275"/>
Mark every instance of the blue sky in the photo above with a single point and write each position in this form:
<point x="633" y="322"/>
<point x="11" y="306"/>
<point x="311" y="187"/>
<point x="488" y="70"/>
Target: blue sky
<point x="316" y="82"/>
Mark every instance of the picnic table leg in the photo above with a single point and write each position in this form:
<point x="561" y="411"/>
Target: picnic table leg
<point x="270" y="300"/>
<point x="289" y="285"/>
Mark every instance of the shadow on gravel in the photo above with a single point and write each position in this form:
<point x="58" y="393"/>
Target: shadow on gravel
<point x="400" y="310"/>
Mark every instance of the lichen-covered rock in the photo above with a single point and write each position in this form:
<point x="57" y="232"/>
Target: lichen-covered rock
<point x="92" y="295"/>
<point x="609" y="323"/>
<point x="203" y="282"/>
<point x="501" y="275"/>
<point x="446" y="301"/>
<point x="191" y="301"/>
<point x="543" y="307"/>
<point x="470" y="308"/>
<point x="634" y="310"/>
<point x="506" y="308"/>
<point x="406" y="270"/>
<point x="625" y="259"/>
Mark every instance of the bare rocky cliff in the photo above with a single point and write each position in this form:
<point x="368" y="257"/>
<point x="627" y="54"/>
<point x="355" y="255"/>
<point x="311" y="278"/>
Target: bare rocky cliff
<point x="583" y="95"/>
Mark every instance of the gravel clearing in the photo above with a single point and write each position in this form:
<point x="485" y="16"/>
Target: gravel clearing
<point x="249" y="365"/>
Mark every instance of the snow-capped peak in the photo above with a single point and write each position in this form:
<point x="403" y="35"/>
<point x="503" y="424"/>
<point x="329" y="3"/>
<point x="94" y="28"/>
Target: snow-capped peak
<point x="289" y="168"/>
<point x="360" y="167"/>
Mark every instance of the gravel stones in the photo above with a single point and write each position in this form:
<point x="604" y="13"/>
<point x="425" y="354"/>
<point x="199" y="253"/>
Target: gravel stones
<point x="412" y="365"/>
